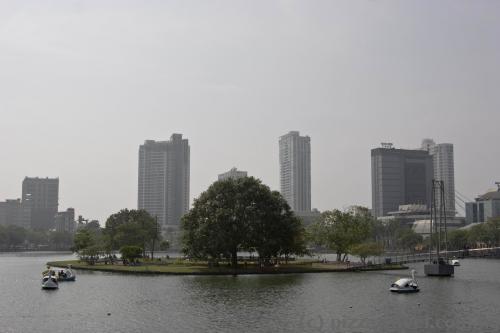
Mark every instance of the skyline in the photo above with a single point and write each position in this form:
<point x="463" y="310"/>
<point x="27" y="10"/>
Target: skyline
<point x="460" y="211"/>
<point x="84" y="84"/>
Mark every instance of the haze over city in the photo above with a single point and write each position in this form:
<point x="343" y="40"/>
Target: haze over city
<point x="83" y="84"/>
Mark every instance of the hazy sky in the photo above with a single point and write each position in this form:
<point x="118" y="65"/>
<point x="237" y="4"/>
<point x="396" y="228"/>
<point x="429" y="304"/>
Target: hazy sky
<point x="84" y="83"/>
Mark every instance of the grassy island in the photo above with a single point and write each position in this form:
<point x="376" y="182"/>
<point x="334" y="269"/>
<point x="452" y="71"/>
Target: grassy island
<point x="184" y="267"/>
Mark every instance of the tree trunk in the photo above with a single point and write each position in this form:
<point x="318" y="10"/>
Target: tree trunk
<point x="339" y="256"/>
<point x="153" y="249"/>
<point x="234" y="259"/>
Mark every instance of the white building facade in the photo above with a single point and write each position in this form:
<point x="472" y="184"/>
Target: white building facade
<point x="164" y="179"/>
<point x="444" y="170"/>
<point x="295" y="170"/>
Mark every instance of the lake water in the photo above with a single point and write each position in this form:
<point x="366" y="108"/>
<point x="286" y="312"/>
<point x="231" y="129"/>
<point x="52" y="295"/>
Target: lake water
<point x="326" y="302"/>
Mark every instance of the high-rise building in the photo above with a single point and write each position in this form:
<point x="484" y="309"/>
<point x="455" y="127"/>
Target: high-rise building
<point x="444" y="170"/>
<point x="164" y="179"/>
<point x="233" y="174"/>
<point x="65" y="221"/>
<point x="41" y="196"/>
<point x="295" y="170"/>
<point x="400" y="177"/>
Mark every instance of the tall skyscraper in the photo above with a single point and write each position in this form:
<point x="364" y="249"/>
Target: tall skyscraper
<point x="295" y="170"/>
<point x="233" y="174"/>
<point x="400" y="177"/>
<point x="164" y="179"/>
<point x="41" y="197"/>
<point x="444" y="170"/>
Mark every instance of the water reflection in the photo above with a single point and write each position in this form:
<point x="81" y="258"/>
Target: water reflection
<point x="345" y="302"/>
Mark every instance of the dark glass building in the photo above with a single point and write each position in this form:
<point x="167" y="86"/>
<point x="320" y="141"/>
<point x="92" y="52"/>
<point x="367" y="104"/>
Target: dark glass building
<point x="400" y="177"/>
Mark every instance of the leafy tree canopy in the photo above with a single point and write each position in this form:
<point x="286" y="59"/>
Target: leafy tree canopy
<point x="243" y="214"/>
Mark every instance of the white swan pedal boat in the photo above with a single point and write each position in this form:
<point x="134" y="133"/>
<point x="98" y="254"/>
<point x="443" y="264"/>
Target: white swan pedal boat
<point x="406" y="285"/>
<point x="49" y="281"/>
<point x="66" y="275"/>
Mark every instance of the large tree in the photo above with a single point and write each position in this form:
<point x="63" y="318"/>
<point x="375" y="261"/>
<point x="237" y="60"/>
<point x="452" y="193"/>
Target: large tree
<point x="340" y="231"/>
<point x="408" y="239"/>
<point x="236" y="215"/>
<point x="15" y="235"/>
<point x="132" y="228"/>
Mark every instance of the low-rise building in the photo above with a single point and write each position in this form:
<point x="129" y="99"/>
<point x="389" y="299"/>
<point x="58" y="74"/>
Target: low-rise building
<point x="15" y="212"/>
<point x="233" y="174"/>
<point x="485" y="207"/>
<point x="408" y="214"/>
<point x="65" y="221"/>
<point x="308" y="218"/>
<point x="423" y="227"/>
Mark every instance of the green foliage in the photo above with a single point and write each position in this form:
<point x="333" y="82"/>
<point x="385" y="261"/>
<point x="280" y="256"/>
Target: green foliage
<point x="243" y="214"/>
<point x="37" y="237"/>
<point x="12" y="236"/>
<point x="457" y="239"/>
<point x="164" y="245"/>
<point x="132" y="228"/>
<point x="365" y="250"/>
<point x="131" y="253"/>
<point x="61" y="239"/>
<point x="408" y="239"/>
<point x="83" y="239"/>
<point x="340" y="231"/>
<point x="91" y="253"/>
<point x="487" y="233"/>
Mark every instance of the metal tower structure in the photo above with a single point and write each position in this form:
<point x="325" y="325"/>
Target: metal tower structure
<point x="438" y="266"/>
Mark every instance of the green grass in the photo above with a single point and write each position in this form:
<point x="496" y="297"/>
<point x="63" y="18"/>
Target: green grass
<point x="178" y="267"/>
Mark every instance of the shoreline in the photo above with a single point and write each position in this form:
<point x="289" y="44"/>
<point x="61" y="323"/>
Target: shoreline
<point x="203" y="270"/>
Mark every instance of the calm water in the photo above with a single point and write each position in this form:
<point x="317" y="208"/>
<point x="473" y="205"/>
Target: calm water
<point x="342" y="302"/>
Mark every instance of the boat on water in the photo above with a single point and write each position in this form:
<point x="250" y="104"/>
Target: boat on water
<point x="49" y="281"/>
<point x="438" y="265"/>
<point x="406" y="285"/>
<point x="66" y="274"/>
<point x="455" y="262"/>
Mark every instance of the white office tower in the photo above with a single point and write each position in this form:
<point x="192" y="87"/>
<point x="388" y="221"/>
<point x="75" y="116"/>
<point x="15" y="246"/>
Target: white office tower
<point x="444" y="169"/>
<point x="164" y="179"/>
<point x="295" y="170"/>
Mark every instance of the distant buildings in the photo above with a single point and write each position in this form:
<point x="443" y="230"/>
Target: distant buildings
<point x="485" y="207"/>
<point x="408" y="214"/>
<point x="295" y="170"/>
<point x="164" y="168"/>
<point x="14" y="212"/>
<point x="65" y="221"/>
<point x="41" y="197"/>
<point x="233" y="174"/>
<point x="38" y="208"/>
<point x="400" y="177"/>
<point x="309" y="218"/>
<point x="444" y="169"/>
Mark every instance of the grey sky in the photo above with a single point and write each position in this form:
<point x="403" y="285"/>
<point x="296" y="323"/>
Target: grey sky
<point x="84" y="83"/>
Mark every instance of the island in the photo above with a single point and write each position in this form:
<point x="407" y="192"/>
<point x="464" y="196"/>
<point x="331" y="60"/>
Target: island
<point x="185" y="267"/>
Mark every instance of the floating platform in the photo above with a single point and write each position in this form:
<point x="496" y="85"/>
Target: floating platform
<point x="439" y="269"/>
